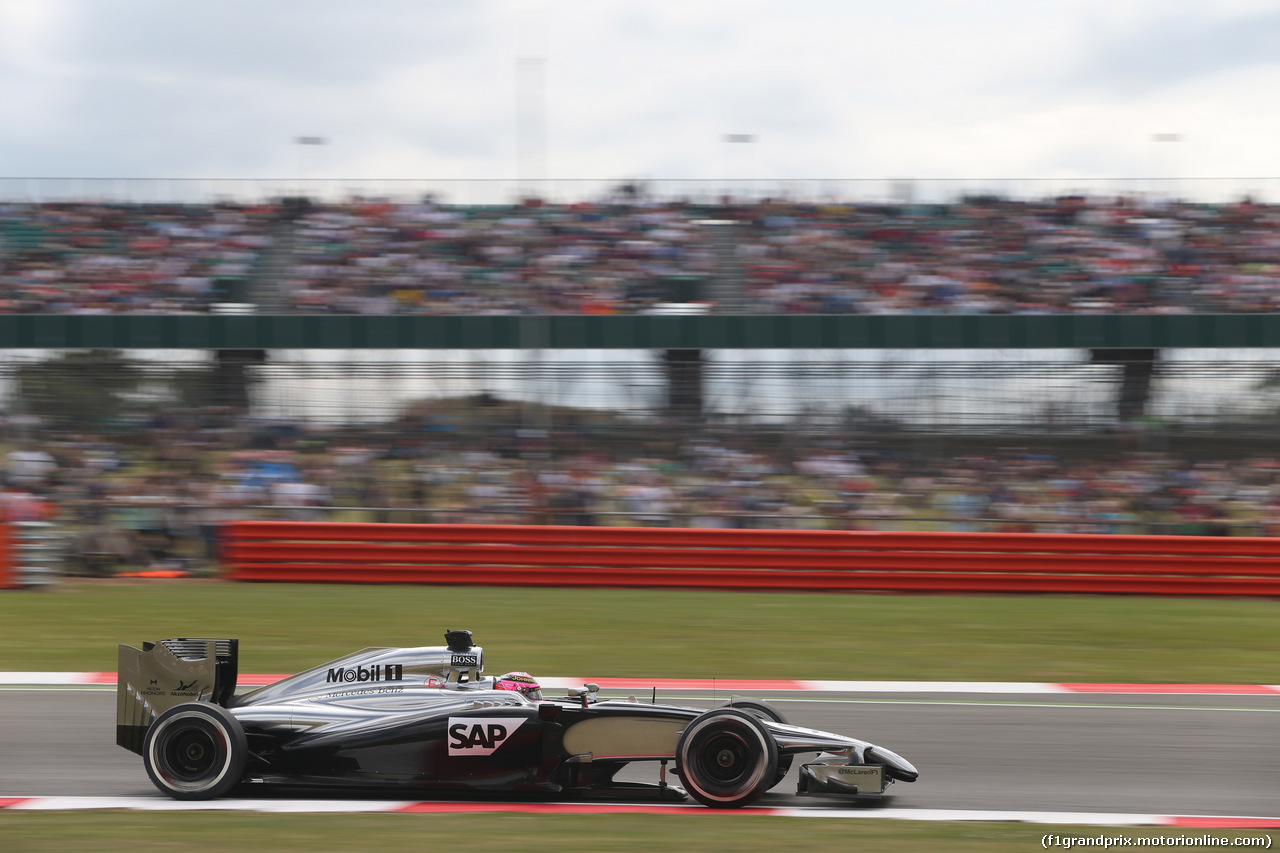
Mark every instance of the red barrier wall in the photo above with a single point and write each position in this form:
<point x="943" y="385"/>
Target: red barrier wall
<point x="511" y="555"/>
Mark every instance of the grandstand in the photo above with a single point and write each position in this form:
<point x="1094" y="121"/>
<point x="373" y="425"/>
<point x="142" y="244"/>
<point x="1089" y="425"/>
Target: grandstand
<point x="823" y="356"/>
<point x="630" y="252"/>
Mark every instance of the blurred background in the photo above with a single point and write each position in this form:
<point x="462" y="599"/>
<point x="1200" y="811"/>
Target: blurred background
<point x="1066" y="322"/>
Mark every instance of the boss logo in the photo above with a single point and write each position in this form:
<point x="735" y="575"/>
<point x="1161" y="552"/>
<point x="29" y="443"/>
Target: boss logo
<point x="464" y="660"/>
<point x="480" y="735"/>
<point x="377" y="672"/>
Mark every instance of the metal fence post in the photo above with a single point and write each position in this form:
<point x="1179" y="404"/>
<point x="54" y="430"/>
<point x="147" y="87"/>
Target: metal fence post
<point x="36" y="554"/>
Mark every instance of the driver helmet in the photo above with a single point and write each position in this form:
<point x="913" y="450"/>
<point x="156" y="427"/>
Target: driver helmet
<point x="522" y="683"/>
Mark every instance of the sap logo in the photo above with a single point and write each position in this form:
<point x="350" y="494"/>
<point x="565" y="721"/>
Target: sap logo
<point x="377" y="672"/>
<point x="480" y="735"/>
<point x="464" y="660"/>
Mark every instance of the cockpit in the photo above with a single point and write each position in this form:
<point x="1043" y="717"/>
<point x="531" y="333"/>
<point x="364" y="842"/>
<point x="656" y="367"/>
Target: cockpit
<point x="466" y="663"/>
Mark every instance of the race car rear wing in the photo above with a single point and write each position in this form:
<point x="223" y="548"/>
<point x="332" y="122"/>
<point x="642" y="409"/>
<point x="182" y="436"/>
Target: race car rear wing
<point x="153" y="679"/>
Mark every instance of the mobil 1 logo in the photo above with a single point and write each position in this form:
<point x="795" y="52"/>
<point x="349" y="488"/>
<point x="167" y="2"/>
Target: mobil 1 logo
<point x="480" y="735"/>
<point x="377" y="672"/>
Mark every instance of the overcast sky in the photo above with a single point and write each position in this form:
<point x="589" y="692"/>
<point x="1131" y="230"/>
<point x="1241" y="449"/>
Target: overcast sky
<point x="635" y="88"/>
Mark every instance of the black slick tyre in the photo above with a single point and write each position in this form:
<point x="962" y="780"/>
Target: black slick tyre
<point x="195" y="751"/>
<point x="726" y="758"/>
<point x="765" y="711"/>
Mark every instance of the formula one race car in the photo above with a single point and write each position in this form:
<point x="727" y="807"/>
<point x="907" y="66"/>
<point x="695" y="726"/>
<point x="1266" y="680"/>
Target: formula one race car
<point x="426" y="719"/>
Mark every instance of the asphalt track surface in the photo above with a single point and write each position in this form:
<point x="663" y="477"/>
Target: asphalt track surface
<point x="1171" y="754"/>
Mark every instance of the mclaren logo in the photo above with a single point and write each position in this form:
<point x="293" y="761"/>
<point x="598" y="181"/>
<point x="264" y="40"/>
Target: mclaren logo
<point x="377" y="672"/>
<point x="858" y="771"/>
<point x="480" y="735"/>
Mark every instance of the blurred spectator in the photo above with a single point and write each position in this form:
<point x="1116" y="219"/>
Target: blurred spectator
<point x="30" y="466"/>
<point x="19" y="504"/>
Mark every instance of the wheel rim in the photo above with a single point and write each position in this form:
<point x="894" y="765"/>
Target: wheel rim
<point x="191" y="754"/>
<point x="726" y="759"/>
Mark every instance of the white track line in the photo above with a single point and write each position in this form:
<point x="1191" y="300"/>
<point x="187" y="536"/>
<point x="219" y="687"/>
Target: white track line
<point x="303" y="806"/>
<point x="43" y="679"/>
<point x="983" y="687"/>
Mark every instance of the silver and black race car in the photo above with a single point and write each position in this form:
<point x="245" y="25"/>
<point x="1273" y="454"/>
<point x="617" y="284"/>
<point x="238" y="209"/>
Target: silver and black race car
<point x="426" y="719"/>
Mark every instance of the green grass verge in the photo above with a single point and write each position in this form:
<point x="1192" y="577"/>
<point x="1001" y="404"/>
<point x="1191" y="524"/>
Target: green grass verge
<point x="659" y="633"/>
<point x="697" y="830"/>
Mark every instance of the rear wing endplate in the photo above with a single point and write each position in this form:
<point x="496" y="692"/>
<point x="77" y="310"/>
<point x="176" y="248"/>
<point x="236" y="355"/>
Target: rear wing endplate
<point x="158" y="676"/>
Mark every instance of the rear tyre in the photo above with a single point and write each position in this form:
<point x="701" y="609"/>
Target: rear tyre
<point x="765" y="711"/>
<point x="727" y="758"/>
<point x="195" y="751"/>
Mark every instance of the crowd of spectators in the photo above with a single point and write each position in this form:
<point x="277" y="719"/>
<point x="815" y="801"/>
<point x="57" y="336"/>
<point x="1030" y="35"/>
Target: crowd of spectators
<point x="991" y="256"/>
<point x="126" y="259"/>
<point x="374" y="258"/>
<point x="629" y="255"/>
<point x="157" y="497"/>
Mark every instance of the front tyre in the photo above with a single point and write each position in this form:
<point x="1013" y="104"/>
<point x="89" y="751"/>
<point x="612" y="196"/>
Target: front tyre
<point x="195" y="751"/>
<point x="765" y="711"/>
<point x="762" y="710"/>
<point x="727" y="758"/>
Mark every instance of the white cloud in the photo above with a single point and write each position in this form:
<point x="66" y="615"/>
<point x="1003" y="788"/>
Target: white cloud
<point x="828" y="88"/>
